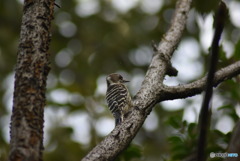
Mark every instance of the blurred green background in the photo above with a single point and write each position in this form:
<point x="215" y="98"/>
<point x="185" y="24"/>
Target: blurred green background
<point x="93" y="38"/>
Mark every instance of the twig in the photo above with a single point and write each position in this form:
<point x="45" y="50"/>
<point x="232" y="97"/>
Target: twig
<point x="58" y="6"/>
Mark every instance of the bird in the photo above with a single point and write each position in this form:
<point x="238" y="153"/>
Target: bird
<point x="118" y="97"/>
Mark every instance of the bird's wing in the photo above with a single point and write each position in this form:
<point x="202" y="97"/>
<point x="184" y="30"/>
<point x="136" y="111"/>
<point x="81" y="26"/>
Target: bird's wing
<point x="116" y="97"/>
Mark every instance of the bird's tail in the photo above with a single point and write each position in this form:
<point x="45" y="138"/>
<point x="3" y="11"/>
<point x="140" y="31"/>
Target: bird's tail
<point x="118" y="121"/>
<point x="118" y="118"/>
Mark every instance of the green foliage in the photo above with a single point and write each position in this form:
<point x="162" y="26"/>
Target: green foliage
<point x="183" y="141"/>
<point x="61" y="145"/>
<point x="174" y="121"/>
<point x="237" y="51"/>
<point x="133" y="152"/>
<point x="205" y="6"/>
<point x="230" y="111"/>
<point x="218" y="141"/>
<point x="4" y="149"/>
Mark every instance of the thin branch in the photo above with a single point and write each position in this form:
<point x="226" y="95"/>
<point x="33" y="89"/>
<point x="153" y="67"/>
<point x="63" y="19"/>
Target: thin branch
<point x="144" y="101"/>
<point x="205" y="113"/>
<point x="58" y="6"/>
<point x="196" y="87"/>
<point x="172" y="38"/>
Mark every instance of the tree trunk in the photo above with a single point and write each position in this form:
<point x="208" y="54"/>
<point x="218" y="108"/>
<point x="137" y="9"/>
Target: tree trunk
<point x="30" y="81"/>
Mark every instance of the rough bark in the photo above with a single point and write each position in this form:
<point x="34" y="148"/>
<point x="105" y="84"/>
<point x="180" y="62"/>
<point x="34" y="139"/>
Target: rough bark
<point x="153" y="90"/>
<point x="150" y="91"/>
<point x="32" y="68"/>
<point x="196" y="87"/>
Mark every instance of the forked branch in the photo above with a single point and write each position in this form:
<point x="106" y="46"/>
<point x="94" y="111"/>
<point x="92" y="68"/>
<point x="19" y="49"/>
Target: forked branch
<point x="153" y="90"/>
<point x="144" y="101"/>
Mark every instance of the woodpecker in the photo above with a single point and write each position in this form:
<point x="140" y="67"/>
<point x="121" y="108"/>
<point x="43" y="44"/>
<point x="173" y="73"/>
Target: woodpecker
<point x="118" y="97"/>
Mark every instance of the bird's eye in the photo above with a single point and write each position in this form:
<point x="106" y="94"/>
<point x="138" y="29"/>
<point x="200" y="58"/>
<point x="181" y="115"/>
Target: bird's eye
<point x="120" y="77"/>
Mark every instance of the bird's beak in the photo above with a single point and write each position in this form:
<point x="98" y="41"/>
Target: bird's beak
<point x="125" y="81"/>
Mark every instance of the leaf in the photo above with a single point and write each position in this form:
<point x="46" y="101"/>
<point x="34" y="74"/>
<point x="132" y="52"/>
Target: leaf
<point x="225" y="107"/>
<point x="180" y="153"/>
<point x="192" y="130"/>
<point x="133" y="151"/>
<point x="174" y="121"/>
<point x="175" y="140"/>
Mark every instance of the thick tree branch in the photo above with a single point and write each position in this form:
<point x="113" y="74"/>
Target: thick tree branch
<point x="152" y="85"/>
<point x="32" y="68"/>
<point x="153" y="90"/>
<point x="194" y="88"/>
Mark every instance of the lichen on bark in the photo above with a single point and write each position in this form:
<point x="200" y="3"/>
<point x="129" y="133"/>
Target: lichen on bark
<point x="30" y="81"/>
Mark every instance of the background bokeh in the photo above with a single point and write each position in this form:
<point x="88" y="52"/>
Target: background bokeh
<point x="93" y="38"/>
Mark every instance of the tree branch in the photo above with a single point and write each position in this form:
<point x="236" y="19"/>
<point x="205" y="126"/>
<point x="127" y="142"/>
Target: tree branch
<point x="152" y="86"/>
<point x="153" y="90"/>
<point x="194" y="88"/>
<point x="205" y="113"/>
<point x="144" y="100"/>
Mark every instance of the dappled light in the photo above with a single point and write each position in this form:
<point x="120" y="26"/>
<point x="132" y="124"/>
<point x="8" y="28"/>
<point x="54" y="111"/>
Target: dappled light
<point x="93" y="38"/>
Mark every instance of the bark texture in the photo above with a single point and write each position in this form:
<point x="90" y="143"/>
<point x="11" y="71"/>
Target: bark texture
<point x="153" y="90"/>
<point x="196" y="87"/>
<point x="32" y="68"/>
<point x="149" y="93"/>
